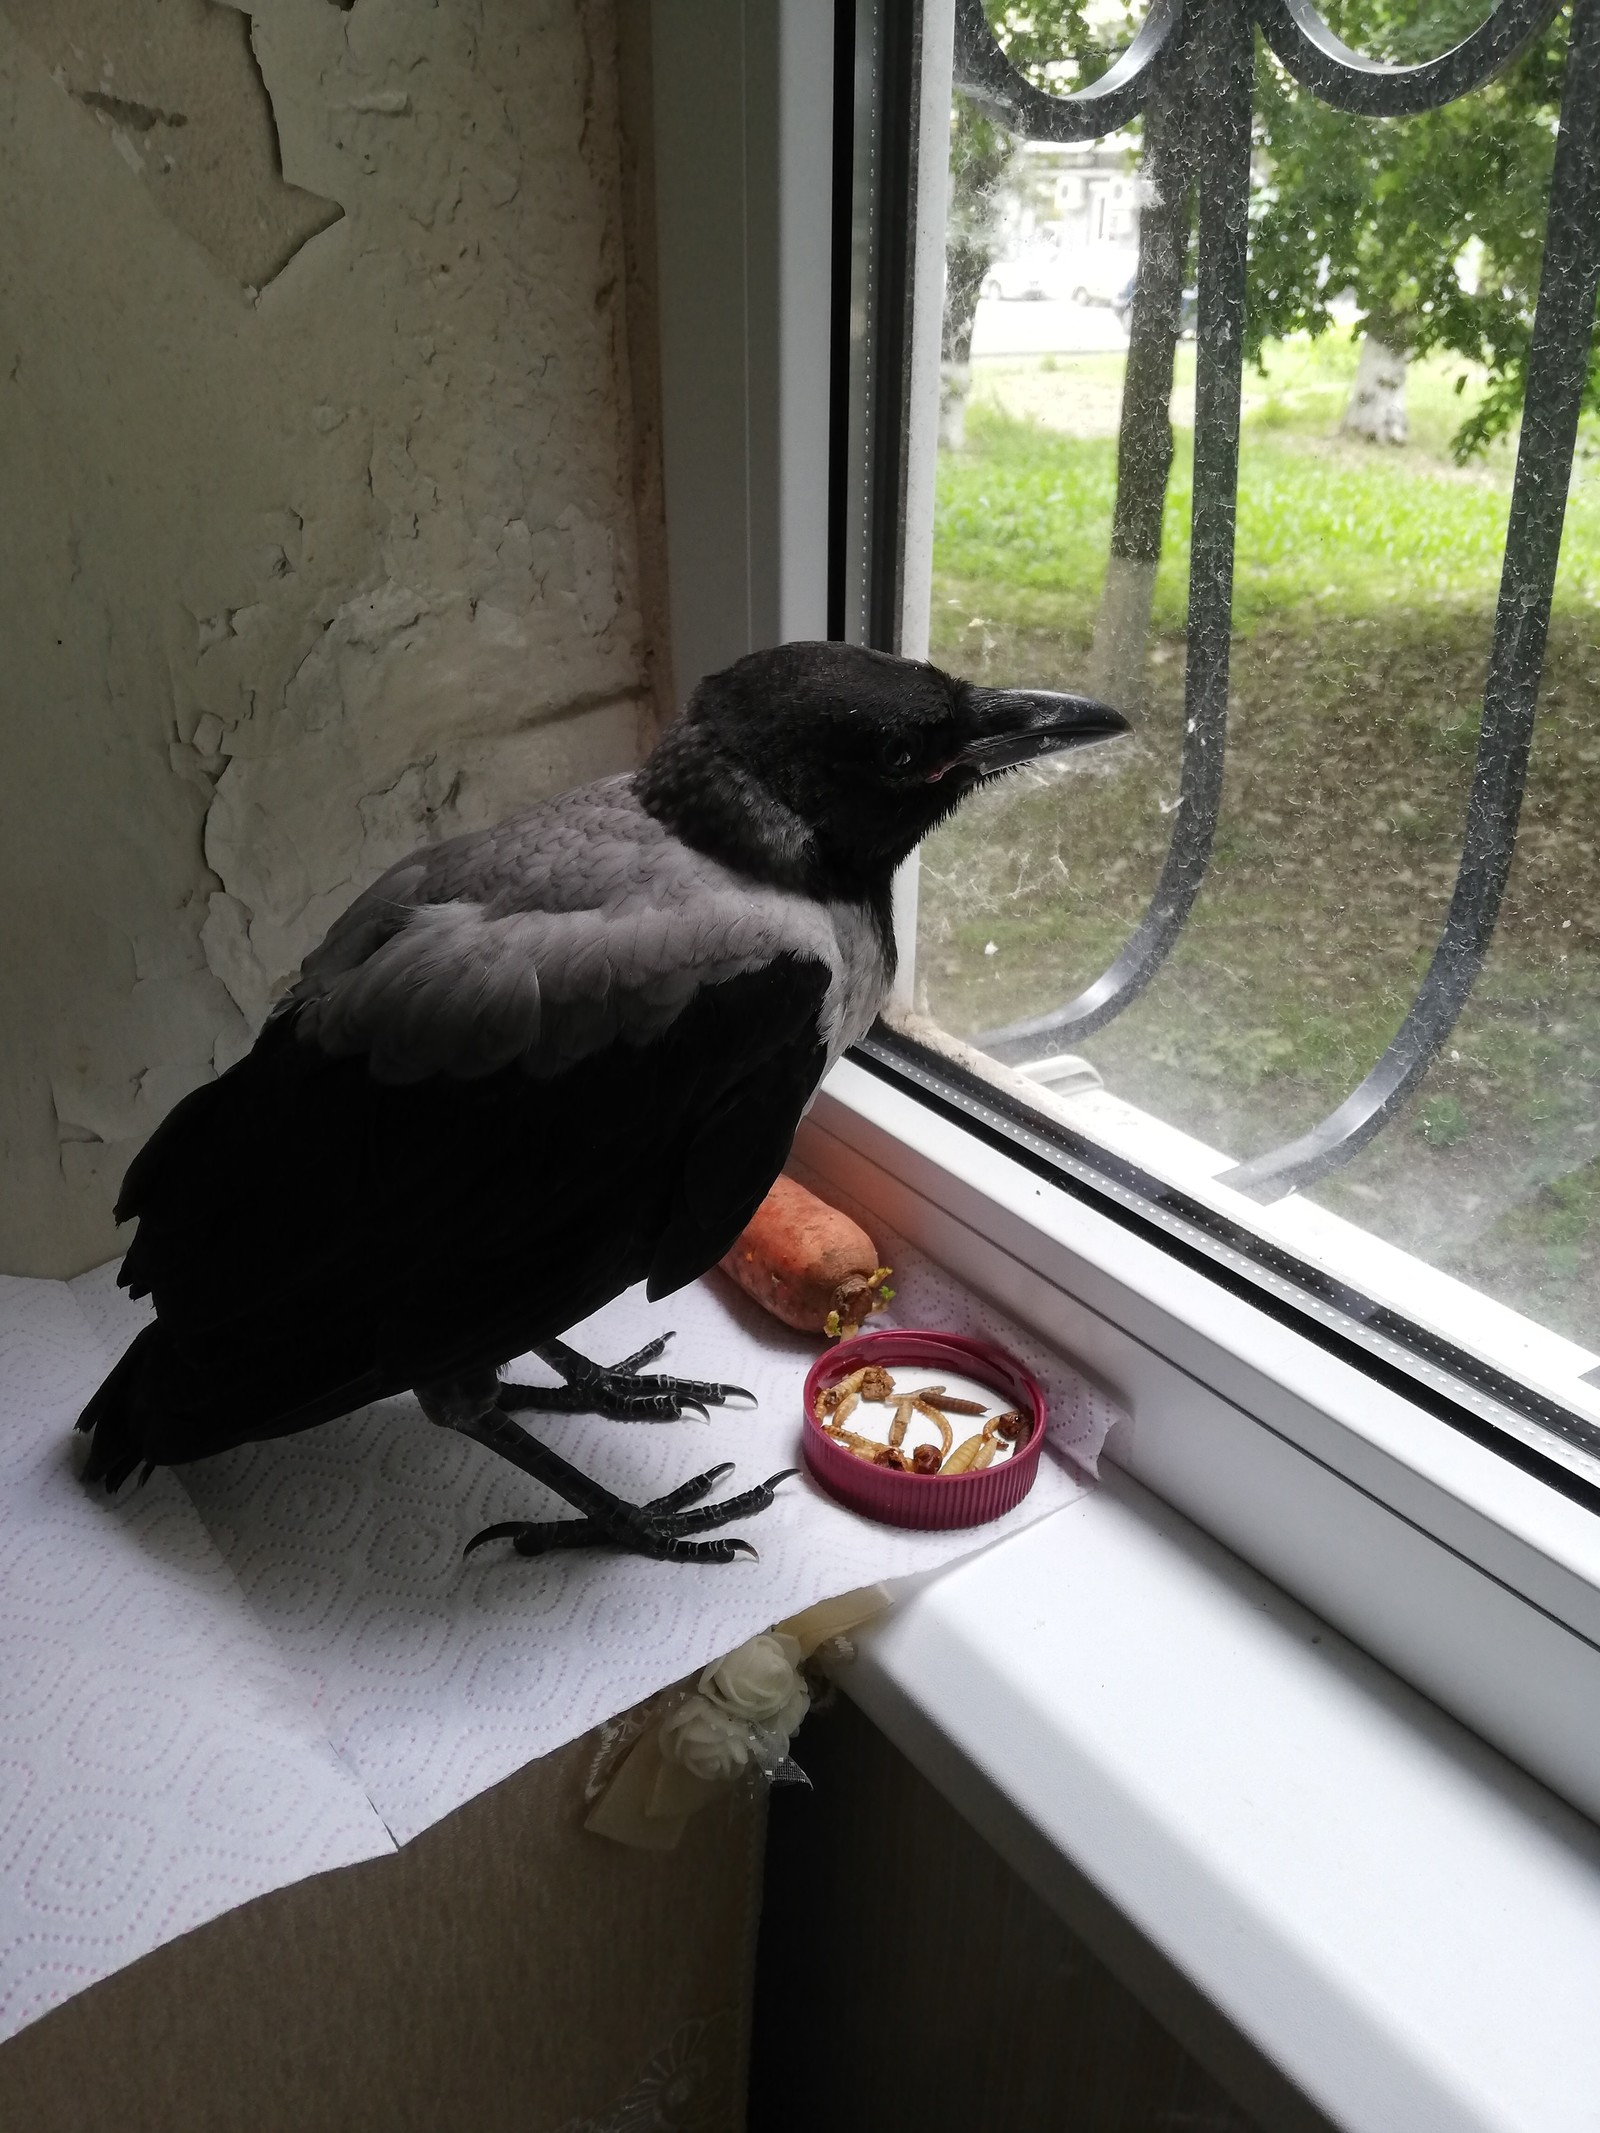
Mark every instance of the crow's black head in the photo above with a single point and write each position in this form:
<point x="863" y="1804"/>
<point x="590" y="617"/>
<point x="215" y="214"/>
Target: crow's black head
<point x="821" y="766"/>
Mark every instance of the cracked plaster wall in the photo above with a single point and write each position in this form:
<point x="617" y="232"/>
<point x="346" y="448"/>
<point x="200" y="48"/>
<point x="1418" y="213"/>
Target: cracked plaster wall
<point x="320" y="537"/>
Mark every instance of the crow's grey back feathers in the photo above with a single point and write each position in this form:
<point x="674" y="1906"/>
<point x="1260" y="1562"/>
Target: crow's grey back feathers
<point x="558" y="931"/>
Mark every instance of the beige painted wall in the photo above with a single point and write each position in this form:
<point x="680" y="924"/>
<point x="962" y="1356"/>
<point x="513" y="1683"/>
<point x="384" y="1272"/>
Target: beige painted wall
<point x="319" y="534"/>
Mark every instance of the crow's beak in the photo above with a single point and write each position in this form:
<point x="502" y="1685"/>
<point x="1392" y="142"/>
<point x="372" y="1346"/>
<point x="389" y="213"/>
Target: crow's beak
<point x="1015" y="725"/>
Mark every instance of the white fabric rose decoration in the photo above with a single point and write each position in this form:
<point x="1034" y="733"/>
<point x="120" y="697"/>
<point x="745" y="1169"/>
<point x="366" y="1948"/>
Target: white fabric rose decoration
<point x="705" y="1740"/>
<point x="743" y="1712"/>
<point x="760" y="1683"/>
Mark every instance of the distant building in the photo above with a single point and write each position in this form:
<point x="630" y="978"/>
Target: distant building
<point x="1071" y="227"/>
<point x="1084" y="193"/>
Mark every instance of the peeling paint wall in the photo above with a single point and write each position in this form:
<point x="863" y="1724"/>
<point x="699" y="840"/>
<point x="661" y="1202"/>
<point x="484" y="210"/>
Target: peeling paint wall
<point x="320" y="538"/>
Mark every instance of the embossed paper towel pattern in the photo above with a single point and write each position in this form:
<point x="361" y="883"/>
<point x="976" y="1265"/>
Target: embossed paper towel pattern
<point x="276" y="1661"/>
<point x="436" y="1678"/>
<point x="158" y="1765"/>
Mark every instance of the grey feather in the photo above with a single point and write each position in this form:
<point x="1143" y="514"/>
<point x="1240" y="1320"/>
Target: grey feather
<point x="557" y="932"/>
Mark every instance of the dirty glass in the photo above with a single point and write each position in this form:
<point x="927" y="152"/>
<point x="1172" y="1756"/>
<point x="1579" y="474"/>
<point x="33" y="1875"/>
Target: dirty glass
<point x="1389" y="301"/>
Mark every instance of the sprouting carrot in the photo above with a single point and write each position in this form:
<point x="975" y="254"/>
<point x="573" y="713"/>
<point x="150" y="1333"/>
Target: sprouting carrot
<point x="808" y="1264"/>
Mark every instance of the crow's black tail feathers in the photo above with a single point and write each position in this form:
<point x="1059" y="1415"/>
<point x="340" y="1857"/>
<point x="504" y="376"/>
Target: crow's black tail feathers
<point x="115" y="1416"/>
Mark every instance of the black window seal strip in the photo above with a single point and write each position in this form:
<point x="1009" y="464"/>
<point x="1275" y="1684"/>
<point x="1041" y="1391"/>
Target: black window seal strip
<point x="900" y="64"/>
<point x="1095" y="1176"/>
<point x="844" y="143"/>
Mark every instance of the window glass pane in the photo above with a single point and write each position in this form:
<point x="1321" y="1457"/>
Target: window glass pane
<point x="1394" y="272"/>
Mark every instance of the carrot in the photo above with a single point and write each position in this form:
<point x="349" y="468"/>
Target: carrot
<point x="808" y="1264"/>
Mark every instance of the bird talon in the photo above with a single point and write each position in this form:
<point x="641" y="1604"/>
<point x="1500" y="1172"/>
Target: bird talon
<point x="623" y="1391"/>
<point x="714" y="1394"/>
<point x="509" y="1530"/>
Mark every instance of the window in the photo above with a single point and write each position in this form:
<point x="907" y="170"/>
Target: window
<point x="1393" y="1469"/>
<point x="1310" y="964"/>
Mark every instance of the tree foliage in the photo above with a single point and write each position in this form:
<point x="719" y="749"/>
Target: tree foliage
<point x="1435" y="224"/>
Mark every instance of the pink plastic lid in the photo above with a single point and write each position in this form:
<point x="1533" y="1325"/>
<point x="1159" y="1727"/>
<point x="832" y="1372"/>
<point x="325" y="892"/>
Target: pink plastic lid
<point x="926" y="1500"/>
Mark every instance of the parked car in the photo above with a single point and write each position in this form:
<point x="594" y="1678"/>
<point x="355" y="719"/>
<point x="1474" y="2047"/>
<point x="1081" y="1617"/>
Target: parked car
<point x="1188" y="310"/>
<point x="1094" y="274"/>
<point x="1033" y="277"/>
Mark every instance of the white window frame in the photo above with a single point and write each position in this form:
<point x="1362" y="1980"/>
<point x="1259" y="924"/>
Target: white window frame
<point x="1472" y="1580"/>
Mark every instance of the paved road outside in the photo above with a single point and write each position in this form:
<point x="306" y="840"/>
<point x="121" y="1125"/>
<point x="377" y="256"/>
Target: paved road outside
<point x="1053" y="328"/>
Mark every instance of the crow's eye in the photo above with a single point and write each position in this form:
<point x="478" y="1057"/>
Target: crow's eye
<point x="897" y="756"/>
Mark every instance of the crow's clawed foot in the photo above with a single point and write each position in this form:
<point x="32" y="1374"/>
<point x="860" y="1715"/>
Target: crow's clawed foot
<point x="663" y="1528"/>
<point x="622" y="1392"/>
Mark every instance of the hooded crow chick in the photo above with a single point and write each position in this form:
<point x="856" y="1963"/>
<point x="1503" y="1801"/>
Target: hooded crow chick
<point x="537" y="1063"/>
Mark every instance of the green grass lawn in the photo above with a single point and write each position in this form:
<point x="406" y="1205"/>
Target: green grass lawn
<point x="1324" y="524"/>
<point x="1366" y="580"/>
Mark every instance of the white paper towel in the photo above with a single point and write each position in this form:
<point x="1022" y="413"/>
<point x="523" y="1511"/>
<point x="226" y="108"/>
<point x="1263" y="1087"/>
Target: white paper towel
<point x="326" y="1668"/>
<point x="158" y="1764"/>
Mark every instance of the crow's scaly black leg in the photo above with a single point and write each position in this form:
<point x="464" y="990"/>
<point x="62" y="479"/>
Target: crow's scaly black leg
<point x="660" y="1528"/>
<point x="582" y="1532"/>
<point x="619" y="1391"/>
<point x="542" y="1537"/>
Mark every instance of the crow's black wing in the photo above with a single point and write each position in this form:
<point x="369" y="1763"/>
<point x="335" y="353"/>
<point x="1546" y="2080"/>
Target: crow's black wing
<point x="315" y="1238"/>
<point x="741" y="1143"/>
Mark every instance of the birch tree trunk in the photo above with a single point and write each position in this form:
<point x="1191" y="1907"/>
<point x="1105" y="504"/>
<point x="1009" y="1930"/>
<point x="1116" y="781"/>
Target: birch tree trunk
<point x="1144" y="434"/>
<point x="981" y="155"/>
<point x="1376" y="408"/>
<point x="966" y="264"/>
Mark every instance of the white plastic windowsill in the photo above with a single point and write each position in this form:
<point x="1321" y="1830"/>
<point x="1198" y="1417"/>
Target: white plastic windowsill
<point x="1393" y="1915"/>
<point x="1377" y="1901"/>
<point x="1501" y="1336"/>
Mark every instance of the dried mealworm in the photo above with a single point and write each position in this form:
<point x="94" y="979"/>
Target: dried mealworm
<point x="886" y="1455"/>
<point x="925" y="1459"/>
<point x="932" y="1414"/>
<point x="936" y="1396"/>
<point x="848" y="1388"/>
<point x="863" y="1447"/>
<point x="876" y="1383"/>
<point x="902" y="1417"/>
<point x="965" y="1457"/>
<point x="1012" y="1426"/>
